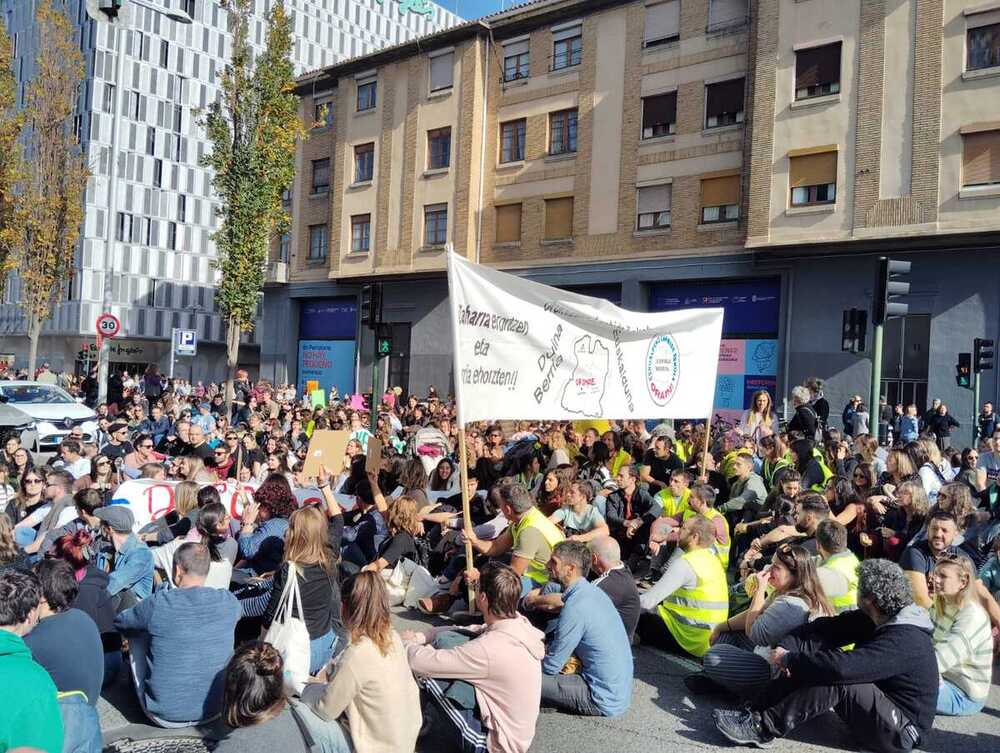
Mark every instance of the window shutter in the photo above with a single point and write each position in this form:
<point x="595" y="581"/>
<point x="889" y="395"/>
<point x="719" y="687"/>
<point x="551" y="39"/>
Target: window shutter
<point x="981" y="158"/>
<point x="817" y="65"/>
<point x="559" y="218"/>
<point x="662" y="20"/>
<point x="442" y="71"/>
<point x="515" y="48"/>
<point x="813" y="169"/>
<point x="719" y="192"/>
<point x="661" y="108"/>
<point x="568" y="33"/>
<point x="654" y="199"/>
<point x="723" y="13"/>
<point x="509" y="223"/>
<point x="723" y="97"/>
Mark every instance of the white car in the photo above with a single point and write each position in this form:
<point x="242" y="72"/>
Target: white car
<point x="53" y="410"/>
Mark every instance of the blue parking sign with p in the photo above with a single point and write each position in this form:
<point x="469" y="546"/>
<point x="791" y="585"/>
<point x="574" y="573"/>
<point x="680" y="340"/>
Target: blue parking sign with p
<point x="186" y="342"/>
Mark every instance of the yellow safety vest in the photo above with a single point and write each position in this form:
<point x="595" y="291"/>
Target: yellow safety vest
<point x="721" y="550"/>
<point x="770" y="470"/>
<point x="846" y="564"/>
<point x="827" y="473"/>
<point x="683" y="450"/>
<point x="691" y="613"/>
<point x="621" y="458"/>
<point x="727" y="461"/>
<point x="672" y="507"/>
<point x="550" y="532"/>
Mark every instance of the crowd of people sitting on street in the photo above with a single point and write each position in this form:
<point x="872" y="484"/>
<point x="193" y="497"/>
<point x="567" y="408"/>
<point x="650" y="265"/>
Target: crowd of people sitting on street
<point x="803" y="566"/>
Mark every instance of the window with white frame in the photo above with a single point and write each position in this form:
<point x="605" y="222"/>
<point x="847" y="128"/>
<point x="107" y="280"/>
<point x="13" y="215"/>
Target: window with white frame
<point x="659" y="115"/>
<point x="724" y="103"/>
<point x="817" y="71"/>
<point x="720" y="199"/>
<point x="812" y="178"/>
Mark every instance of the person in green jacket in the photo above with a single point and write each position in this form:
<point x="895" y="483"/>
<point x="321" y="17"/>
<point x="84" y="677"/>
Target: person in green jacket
<point x="29" y="709"/>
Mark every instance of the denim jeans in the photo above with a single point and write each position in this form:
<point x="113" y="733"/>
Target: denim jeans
<point x="81" y="725"/>
<point x="330" y="737"/>
<point x="952" y="701"/>
<point x="320" y="651"/>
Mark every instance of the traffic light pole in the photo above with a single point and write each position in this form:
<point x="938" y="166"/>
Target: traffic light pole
<point x="373" y="414"/>
<point x="975" y="409"/>
<point x="874" y="407"/>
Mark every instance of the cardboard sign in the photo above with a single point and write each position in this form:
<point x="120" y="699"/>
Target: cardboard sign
<point x="326" y="448"/>
<point x="373" y="457"/>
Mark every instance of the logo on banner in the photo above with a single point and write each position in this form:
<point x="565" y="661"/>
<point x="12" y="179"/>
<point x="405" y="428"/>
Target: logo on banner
<point x="662" y="369"/>
<point x="584" y="390"/>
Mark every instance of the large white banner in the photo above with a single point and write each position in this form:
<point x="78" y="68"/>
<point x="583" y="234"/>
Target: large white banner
<point x="150" y="500"/>
<point x="524" y="350"/>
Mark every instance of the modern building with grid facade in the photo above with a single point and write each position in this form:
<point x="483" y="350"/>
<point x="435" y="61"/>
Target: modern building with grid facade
<point x="160" y="261"/>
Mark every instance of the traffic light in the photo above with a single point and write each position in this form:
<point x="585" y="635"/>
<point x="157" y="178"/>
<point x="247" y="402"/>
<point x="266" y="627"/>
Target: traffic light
<point x="890" y="289"/>
<point x="982" y="355"/>
<point x="383" y="341"/>
<point x="963" y="370"/>
<point x="855" y="330"/>
<point x="371" y="304"/>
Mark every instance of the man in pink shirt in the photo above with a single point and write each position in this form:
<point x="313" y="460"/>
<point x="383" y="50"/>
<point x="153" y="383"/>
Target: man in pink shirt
<point x="483" y="683"/>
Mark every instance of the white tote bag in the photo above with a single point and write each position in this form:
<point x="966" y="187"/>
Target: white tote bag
<point x="289" y="634"/>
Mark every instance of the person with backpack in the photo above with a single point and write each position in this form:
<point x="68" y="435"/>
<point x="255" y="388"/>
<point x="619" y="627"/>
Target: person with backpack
<point x="805" y="419"/>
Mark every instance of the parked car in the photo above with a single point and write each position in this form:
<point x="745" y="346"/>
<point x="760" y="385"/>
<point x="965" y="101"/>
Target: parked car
<point x="15" y="422"/>
<point x="54" y="411"/>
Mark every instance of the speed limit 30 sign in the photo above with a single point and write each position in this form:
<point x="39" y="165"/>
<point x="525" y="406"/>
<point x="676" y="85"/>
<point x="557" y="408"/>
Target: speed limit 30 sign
<point x="108" y="325"/>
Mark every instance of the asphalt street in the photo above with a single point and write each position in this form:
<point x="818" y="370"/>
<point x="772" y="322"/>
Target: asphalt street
<point x="663" y="718"/>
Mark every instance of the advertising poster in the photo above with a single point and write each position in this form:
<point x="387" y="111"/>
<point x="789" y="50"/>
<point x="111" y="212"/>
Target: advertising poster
<point x="330" y="363"/>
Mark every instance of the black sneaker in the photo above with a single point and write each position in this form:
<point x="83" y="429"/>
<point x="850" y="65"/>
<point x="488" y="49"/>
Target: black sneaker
<point x="700" y="684"/>
<point x="743" y="728"/>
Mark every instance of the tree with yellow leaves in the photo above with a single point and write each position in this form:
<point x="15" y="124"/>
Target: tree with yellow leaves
<point x="11" y="164"/>
<point x="56" y="175"/>
<point x="253" y="129"/>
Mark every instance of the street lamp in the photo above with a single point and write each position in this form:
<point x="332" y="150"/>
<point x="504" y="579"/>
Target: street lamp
<point x="103" y="11"/>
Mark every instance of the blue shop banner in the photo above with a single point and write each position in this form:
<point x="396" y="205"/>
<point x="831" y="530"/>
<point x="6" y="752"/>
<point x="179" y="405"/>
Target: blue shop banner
<point x="752" y="306"/>
<point x="329" y="362"/>
<point x="328" y="319"/>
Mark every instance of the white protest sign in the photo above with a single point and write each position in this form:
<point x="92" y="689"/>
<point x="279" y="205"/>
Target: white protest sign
<point x="150" y="500"/>
<point x="524" y="350"/>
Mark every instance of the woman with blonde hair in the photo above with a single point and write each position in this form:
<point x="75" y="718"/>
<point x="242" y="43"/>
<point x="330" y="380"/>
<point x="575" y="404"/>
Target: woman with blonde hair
<point x="963" y="642"/>
<point x="758" y="419"/>
<point x="372" y="699"/>
<point x="312" y="543"/>
<point x="403" y="522"/>
<point x="193" y="468"/>
<point x="181" y="519"/>
<point x="788" y="594"/>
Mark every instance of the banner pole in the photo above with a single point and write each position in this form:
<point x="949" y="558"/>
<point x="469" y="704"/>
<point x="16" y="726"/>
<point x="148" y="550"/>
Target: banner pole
<point x="466" y="513"/>
<point x="704" y="453"/>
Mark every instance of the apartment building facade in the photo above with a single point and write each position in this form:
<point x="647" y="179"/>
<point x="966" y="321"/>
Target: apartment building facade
<point x="756" y="155"/>
<point x="158" y="265"/>
<point x="593" y="145"/>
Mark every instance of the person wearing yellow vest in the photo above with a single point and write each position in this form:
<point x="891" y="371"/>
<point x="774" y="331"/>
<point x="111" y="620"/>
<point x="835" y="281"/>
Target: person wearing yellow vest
<point x="613" y="441"/>
<point x="788" y="595"/>
<point x="673" y="500"/>
<point x="747" y="493"/>
<point x="838" y="567"/>
<point x="666" y="530"/>
<point x="777" y="457"/>
<point x="702" y="502"/>
<point x="529" y="538"/>
<point x="810" y="463"/>
<point x="684" y="606"/>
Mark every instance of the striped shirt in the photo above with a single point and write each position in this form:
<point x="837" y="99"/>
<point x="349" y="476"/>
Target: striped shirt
<point x="963" y="643"/>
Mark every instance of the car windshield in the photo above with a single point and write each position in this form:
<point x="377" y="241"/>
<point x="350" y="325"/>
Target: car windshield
<point x="35" y="394"/>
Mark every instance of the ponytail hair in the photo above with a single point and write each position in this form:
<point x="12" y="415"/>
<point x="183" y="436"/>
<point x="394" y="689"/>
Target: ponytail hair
<point x="209" y="518"/>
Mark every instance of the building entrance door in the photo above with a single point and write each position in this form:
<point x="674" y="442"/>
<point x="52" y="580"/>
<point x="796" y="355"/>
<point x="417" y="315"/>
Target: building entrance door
<point x="905" y="360"/>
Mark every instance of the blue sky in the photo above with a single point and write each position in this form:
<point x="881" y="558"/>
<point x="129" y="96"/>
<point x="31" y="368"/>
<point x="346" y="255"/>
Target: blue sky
<point x="474" y="8"/>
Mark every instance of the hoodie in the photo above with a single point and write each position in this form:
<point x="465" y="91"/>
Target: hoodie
<point x="897" y="657"/>
<point x="503" y="664"/>
<point x="30" y="715"/>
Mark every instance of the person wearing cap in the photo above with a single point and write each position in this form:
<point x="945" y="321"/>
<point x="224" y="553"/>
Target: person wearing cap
<point x="118" y="445"/>
<point x="131" y="577"/>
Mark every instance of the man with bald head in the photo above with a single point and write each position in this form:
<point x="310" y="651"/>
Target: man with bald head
<point x="616" y="581"/>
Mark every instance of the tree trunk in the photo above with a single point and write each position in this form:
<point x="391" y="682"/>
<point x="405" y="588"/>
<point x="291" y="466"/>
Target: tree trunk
<point x="233" y="332"/>
<point x="34" y="331"/>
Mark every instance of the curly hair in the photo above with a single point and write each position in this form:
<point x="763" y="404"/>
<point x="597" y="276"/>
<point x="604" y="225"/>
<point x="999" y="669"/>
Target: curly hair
<point x="885" y="585"/>
<point x="276" y="495"/>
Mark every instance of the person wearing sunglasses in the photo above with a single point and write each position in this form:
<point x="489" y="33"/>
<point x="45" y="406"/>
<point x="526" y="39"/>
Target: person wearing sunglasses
<point x="145" y="452"/>
<point x="225" y="463"/>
